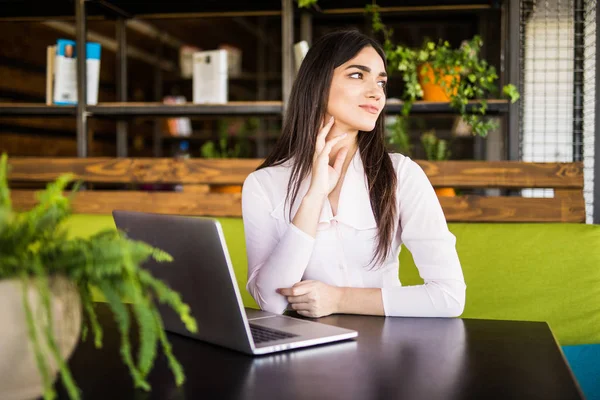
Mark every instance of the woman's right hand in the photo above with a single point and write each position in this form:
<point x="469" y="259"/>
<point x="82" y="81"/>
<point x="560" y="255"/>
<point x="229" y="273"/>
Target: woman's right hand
<point x="324" y="176"/>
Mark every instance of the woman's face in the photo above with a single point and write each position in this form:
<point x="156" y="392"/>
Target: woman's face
<point x="356" y="96"/>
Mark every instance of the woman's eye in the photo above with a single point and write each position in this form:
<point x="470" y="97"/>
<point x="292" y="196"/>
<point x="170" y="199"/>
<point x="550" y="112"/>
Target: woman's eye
<point x="382" y="84"/>
<point x="356" y="75"/>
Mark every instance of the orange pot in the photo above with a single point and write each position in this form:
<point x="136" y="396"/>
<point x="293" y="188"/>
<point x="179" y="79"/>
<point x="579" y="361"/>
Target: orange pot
<point x="433" y="91"/>
<point x="445" y="192"/>
<point x="226" y="188"/>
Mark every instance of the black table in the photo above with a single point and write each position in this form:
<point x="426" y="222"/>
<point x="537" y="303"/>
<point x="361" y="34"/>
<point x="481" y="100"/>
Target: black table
<point x="393" y="358"/>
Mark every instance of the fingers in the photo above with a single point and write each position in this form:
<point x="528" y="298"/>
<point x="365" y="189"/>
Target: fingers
<point x="324" y="122"/>
<point x="301" y="283"/>
<point x="323" y="134"/>
<point x="294" y="291"/>
<point x="329" y="145"/>
<point x="308" y="314"/>
<point x="326" y="128"/>
<point x="339" y="160"/>
<point x="301" y="306"/>
<point x="298" y="299"/>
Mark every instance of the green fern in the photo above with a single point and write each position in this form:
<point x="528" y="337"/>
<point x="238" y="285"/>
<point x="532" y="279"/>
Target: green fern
<point x="86" y="302"/>
<point x="173" y="363"/>
<point x="123" y="320"/>
<point x="35" y="244"/>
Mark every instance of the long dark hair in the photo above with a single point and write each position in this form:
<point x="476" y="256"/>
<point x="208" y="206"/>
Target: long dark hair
<point x="306" y="109"/>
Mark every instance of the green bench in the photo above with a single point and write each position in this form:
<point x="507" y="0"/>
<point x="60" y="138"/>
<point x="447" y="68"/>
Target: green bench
<point x="512" y="271"/>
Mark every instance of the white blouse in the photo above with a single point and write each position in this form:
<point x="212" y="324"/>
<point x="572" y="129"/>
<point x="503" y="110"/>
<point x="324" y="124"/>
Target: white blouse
<point x="280" y="254"/>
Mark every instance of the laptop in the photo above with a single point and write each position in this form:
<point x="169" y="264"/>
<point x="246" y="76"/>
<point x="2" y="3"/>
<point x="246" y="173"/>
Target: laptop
<point x="203" y="274"/>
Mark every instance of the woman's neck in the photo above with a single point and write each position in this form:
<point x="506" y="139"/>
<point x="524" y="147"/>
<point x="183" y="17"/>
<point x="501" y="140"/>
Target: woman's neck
<point x="350" y="142"/>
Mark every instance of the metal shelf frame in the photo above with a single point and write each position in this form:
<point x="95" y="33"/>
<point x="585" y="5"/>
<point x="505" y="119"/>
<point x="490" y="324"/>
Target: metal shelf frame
<point x="122" y="111"/>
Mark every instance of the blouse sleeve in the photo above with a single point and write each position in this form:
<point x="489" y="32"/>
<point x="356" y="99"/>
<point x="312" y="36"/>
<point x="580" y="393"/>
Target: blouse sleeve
<point x="425" y="234"/>
<point x="274" y="260"/>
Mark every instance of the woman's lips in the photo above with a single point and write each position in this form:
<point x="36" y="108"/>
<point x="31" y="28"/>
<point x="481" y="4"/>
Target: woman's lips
<point x="370" y="109"/>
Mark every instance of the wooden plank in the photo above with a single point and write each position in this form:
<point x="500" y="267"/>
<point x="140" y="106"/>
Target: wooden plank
<point x="196" y="188"/>
<point x="188" y="109"/>
<point x="33" y="109"/>
<point x="41" y="125"/>
<point x="456" y="209"/>
<point x="19" y="144"/>
<point x="568" y="193"/>
<point x="48" y="126"/>
<point x="397" y="9"/>
<point x="512" y="209"/>
<point x="219" y="14"/>
<point x="134" y="170"/>
<point x="458" y="174"/>
<point x="104" y="202"/>
<point x="231" y="104"/>
<point x="443" y="107"/>
<point x="503" y="174"/>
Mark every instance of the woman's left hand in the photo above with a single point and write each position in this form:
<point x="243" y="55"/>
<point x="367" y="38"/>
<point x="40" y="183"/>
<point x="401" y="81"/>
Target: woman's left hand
<point x="313" y="299"/>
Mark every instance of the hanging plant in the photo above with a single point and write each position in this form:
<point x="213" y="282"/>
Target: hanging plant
<point x="460" y="74"/>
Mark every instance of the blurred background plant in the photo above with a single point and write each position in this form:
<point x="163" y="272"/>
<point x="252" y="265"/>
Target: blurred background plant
<point x="435" y="149"/>
<point x="398" y="138"/>
<point x="233" y="139"/>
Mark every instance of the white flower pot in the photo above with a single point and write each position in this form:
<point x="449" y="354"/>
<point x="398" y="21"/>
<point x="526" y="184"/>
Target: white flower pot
<point x="19" y="375"/>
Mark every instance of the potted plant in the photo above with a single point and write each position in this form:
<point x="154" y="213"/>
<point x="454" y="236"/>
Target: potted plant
<point x="437" y="72"/>
<point x="46" y="283"/>
<point x="437" y="150"/>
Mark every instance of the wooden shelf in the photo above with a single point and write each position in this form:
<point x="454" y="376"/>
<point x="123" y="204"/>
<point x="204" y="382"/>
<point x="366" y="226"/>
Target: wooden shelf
<point x="64" y="9"/>
<point x="35" y="109"/>
<point x="37" y="9"/>
<point x="429" y="107"/>
<point x="131" y="109"/>
<point x="347" y="7"/>
<point x="205" y="138"/>
<point x="187" y="109"/>
<point x="160" y="8"/>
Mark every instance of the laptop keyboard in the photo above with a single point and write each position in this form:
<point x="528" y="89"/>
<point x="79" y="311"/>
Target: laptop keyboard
<point x="260" y="334"/>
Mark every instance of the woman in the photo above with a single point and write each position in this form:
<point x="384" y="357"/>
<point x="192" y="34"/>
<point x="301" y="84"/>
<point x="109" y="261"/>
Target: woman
<point x="326" y="213"/>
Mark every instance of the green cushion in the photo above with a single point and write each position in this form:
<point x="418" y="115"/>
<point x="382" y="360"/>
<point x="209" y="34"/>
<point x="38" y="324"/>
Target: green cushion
<point x="534" y="272"/>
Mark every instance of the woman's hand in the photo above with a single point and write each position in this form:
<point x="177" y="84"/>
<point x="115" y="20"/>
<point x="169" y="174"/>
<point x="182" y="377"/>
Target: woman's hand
<point x="324" y="176"/>
<point x="313" y="299"/>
